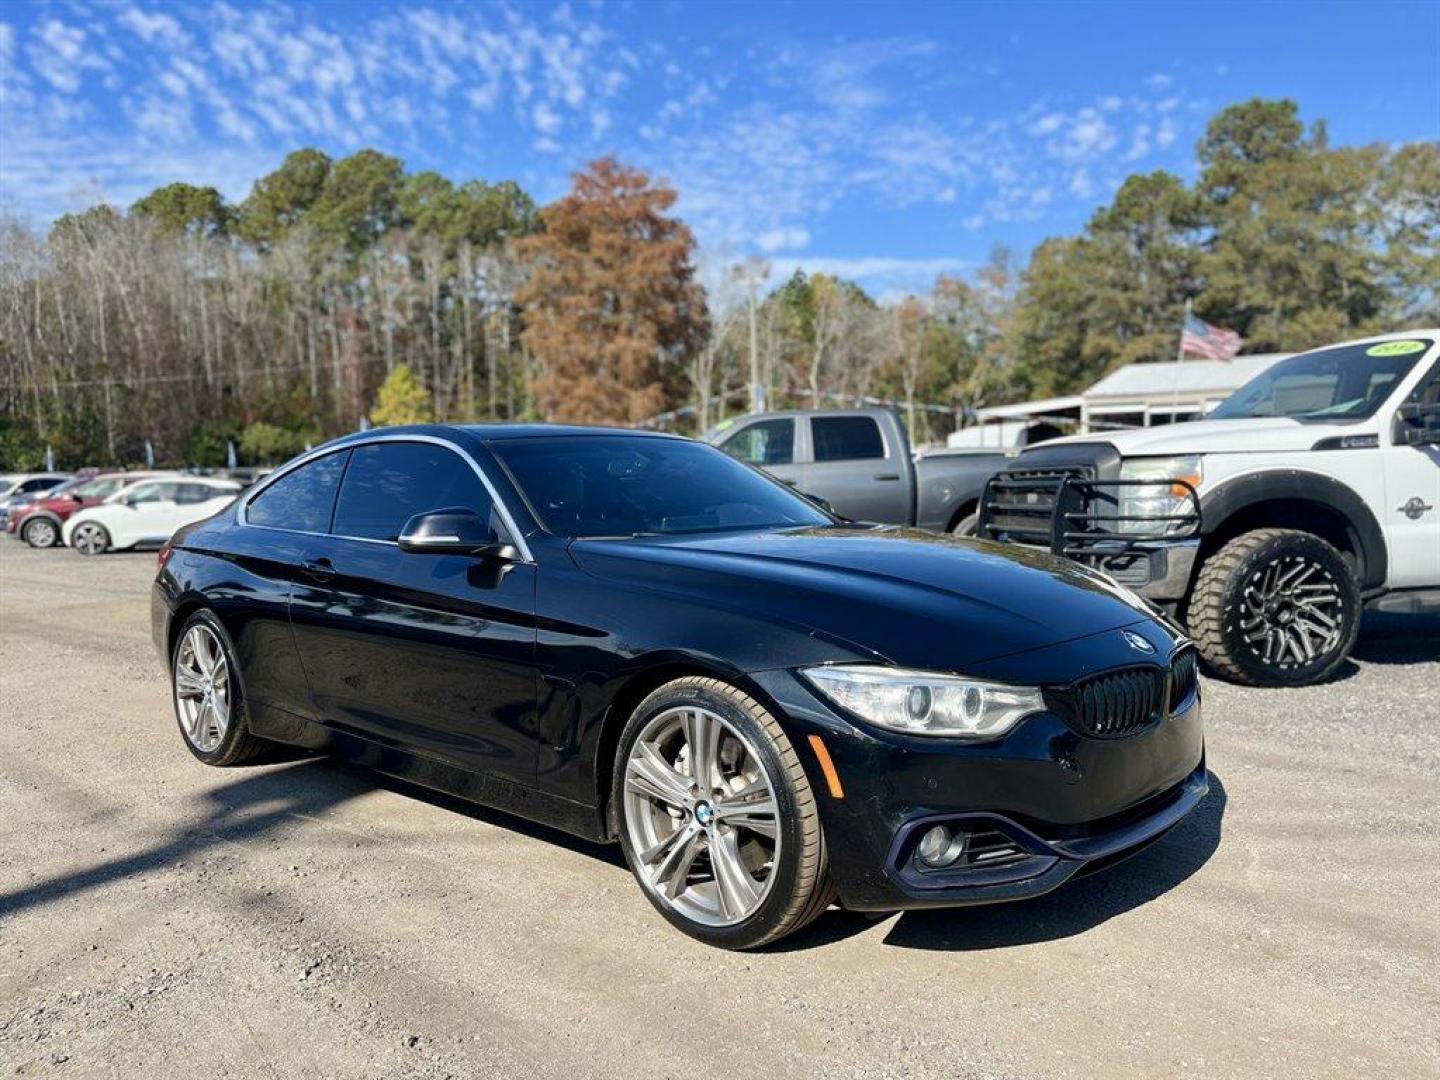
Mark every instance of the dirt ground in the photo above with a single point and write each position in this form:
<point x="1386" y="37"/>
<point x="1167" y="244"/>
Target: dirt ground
<point x="159" y="918"/>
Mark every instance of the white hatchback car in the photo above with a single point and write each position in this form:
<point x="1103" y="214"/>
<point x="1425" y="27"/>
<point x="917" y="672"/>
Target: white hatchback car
<point x="147" y="512"/>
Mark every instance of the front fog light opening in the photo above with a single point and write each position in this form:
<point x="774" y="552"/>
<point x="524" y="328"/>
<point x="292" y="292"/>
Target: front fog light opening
<point x="941" y="847"/>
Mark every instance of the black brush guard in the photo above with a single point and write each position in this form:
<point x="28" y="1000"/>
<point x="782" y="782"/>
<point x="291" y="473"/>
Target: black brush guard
<point x="1078" y="517"/>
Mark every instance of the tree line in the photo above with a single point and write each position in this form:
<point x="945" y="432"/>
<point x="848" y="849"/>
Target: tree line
<point x="348" y="291"/>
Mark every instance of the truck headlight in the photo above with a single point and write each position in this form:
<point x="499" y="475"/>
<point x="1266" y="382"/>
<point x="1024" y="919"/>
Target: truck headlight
<point x="1157" y="500"/>
<point x="925" y="702"/>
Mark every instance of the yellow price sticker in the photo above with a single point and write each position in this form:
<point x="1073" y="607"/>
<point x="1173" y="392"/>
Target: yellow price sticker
<point x="1395" y="348"/>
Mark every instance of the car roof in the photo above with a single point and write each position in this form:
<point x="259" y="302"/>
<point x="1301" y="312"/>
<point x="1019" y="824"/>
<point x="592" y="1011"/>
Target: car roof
<point x="498" y="432"/>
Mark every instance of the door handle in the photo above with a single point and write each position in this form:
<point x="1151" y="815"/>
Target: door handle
<point x="887" y="476"/>
<point x="319" y="569"/>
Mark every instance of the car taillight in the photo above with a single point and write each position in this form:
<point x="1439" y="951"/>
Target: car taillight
<point x="163" y="555"/>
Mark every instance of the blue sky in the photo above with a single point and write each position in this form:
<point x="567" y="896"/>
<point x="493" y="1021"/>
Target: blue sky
<point x="884" y="141"/>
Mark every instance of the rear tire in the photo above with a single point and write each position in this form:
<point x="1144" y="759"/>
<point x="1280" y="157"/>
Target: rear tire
<point x="40" y="533"/>
<point x="1275" y="607"/>
<point x="219" y="733"/>
<point x="786" y="881"/>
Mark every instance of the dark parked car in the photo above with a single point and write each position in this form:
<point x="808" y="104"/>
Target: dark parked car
<point x="860" y="462"/>
<point x="635" y="638"/>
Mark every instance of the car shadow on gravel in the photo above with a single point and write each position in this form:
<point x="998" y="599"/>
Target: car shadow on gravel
<point x="1073" y="908"/>
<point x="251" y="805"/>
<point x="257" y="802"/>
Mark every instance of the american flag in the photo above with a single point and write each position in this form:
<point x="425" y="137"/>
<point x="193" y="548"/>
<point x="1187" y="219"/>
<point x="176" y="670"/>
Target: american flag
<point x="1199" y="338"/>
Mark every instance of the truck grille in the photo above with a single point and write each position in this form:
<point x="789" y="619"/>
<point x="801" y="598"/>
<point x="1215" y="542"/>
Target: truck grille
<point x="1021" y="502"/>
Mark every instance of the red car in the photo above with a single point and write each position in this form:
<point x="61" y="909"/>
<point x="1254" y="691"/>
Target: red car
<point x="38" y="523"/>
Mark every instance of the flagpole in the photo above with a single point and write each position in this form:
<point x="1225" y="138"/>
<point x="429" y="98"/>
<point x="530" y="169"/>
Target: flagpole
<point x="1179" y="359"/>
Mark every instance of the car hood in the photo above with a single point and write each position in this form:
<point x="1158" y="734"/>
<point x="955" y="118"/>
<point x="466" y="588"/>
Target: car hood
<point x="910" y="597"/>
<point x="1261" y="434"/>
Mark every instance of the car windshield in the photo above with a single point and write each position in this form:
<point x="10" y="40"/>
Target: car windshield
<point x="1345" y="383"/>
<point x="628" y="485"/>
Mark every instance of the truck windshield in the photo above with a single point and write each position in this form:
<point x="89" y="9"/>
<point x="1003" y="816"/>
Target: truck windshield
<point x="1345" y="383"/>
<point x="628" y="485"/>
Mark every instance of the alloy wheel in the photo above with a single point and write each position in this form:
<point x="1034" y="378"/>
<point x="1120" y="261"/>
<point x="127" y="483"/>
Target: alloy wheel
<point x="1291" y="612"/>
<point x="202" y="688"/>
<point x="89" y="539"/>
<point x="40" y="533"/>
<point x="701" y="816"/>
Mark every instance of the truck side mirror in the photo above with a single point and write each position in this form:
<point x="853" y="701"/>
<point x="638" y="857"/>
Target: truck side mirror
<point x="1417" y="424"/>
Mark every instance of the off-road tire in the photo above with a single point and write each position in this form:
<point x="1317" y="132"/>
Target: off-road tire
<point x="1215" y="603"/>
<point x="803" y="888"/>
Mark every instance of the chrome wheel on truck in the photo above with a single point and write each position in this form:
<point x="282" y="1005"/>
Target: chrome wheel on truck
<point x="1275" y="607"/>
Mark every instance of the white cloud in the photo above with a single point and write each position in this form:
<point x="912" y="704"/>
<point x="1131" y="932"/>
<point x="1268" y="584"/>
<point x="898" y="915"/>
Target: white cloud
<point x="885" y="277"/>
<point x="1081" y="186"/>
<point x="1048" y="124"/>
<point x="154" y="26"/>
<point x="784" y="239"/>
<point x="59" y="56"/>
<point x="1158" y="81"/>
<point x="547" y="121"/>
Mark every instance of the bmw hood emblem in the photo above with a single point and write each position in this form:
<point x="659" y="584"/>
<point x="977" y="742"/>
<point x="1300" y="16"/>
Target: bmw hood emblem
<point x="1136" y="642"/>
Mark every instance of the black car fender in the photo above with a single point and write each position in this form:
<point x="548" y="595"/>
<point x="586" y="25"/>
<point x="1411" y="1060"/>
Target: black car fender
<point x="1220" y="506"/>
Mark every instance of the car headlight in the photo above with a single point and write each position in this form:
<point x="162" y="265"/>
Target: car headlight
<point x="925" y="702"/>
<point x="1157" y="500"/>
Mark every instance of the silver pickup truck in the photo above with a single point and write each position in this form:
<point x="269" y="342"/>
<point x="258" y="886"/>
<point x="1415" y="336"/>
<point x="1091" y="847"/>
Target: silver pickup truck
<point x="860" y="462"/>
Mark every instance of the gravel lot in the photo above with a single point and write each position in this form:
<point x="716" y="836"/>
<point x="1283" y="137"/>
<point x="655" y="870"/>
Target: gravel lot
<point x="158" y="918"/>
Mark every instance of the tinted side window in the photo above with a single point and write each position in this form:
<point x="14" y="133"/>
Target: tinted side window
<point x="147" y="493"/>
<point x="766" y="442"/>
<point x="190" y="494"/>
<point x="389" y="483"/>
<point x="301" y="499"/>
<point x="846" y="438"/>
<point x="38" y="485"/>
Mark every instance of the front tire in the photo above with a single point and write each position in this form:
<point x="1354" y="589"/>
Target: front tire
<point x="206" y="692"/>
<point x="90" y="538"/>
<point x="1275" y="607"/>
<point x="716" y="817"/>
<point x="969" y="525"/>
<point x="40" y="533"/>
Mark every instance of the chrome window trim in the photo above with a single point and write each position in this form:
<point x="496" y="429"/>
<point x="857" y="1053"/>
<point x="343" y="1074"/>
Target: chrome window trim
<point x="243" y="509"/>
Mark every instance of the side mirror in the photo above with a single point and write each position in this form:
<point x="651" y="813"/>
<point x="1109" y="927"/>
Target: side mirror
<point x="455" y="531"/>
<point x="1417" y="425"/>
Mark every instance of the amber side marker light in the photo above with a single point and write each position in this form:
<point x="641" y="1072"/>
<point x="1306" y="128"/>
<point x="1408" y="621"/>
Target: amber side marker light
<point x="822" y="755"/>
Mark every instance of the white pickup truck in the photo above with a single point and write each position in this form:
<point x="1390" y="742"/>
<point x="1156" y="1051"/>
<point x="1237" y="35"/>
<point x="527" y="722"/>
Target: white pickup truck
<point x="1310" y="493"/>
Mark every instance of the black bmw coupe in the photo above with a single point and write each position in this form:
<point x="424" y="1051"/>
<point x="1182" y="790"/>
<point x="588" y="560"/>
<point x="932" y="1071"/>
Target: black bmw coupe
<point x="635" y="638"/>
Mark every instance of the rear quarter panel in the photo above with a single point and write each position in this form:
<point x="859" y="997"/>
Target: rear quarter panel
<point x="948" y="484"/>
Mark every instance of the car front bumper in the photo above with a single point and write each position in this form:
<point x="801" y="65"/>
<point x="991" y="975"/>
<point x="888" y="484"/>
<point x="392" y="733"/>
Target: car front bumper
<point x="1052" y="802"/>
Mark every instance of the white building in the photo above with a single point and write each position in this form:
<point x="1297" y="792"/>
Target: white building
<point x="1137" y="395"/>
